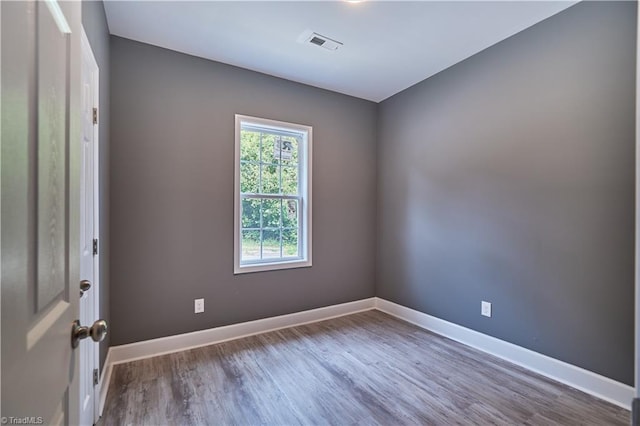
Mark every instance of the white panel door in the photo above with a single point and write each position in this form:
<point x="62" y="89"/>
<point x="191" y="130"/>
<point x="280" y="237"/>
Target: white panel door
<point x="40" y="210"/>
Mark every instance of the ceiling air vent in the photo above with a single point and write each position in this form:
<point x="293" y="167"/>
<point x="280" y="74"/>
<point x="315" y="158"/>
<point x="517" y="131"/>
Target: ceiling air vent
<point x="319" y="40"/>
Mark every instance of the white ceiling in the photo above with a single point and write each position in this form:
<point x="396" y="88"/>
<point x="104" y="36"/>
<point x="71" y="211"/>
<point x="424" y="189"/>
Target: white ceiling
<point x="388" y="46"/>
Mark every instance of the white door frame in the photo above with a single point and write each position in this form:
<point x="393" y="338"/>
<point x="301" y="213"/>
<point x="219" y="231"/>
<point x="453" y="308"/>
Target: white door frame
<point x="94" y="294"/>
<point x="637" y="221"/>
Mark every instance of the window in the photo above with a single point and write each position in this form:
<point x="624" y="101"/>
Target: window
<point x="272" y="195"/>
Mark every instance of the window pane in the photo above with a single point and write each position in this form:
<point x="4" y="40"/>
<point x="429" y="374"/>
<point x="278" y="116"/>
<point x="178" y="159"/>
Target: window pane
<point x="289" y="150"/>
<point x="270" y="244"/>
<point x="248" y="178"/>
<point x="250" y="245"/>
<point x="251" y="213"/>
<point x="268" y="149"/>
<point x="250" y="146"/>
<point x="290" y="180"/>
<point x="272" y="226"/>
<point x="289" y="213"/>
<point x="270" y="179"/>
<point x="290" y="243"/>
<point x="271" y="213"/>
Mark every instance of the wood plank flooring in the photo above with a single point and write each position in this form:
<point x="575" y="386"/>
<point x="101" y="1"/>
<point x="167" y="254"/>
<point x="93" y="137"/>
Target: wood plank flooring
<point x="363" y="369"/>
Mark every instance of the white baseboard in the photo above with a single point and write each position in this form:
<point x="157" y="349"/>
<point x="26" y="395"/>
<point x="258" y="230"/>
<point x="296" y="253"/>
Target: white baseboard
<point x="182" y="342"/>
<point x="587" y="381"/>
<point x="186" y="341"/>
<point x="105" y="379"/>
<point x="579" y="378"/>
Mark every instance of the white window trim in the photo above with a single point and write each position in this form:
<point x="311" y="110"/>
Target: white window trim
<point x="305" y="205"/>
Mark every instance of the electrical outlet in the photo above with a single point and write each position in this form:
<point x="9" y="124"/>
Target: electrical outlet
<point x="486" y="309"/>
<point x="199" y="306"/>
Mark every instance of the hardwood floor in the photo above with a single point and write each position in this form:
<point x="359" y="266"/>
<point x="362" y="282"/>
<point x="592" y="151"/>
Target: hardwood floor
<point x="367" y="368"/>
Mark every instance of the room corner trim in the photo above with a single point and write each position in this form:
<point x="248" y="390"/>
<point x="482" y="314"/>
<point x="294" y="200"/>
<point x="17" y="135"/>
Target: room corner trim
<point x="587" y="381"/>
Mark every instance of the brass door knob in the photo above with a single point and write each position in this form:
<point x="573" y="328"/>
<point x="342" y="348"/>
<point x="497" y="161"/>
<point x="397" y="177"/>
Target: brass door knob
<point x="97" y="332"/>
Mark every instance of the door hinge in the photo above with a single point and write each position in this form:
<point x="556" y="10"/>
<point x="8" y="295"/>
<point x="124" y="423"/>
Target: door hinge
<point x="95" y="247"/>
<point x="96" y="377"/>
<point x="95" y="116"/>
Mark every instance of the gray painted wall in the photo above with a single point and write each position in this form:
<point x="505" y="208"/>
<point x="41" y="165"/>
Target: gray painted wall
<point x="94" y="22"/>
<point x="172" y="170"/>
<point x="509" y="178"/>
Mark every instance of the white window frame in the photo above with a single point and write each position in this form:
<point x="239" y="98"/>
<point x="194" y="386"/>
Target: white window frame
<point x="304" y="197"/>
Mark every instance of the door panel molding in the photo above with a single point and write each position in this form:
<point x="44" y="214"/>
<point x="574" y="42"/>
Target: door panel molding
<point x="39" y="218"/>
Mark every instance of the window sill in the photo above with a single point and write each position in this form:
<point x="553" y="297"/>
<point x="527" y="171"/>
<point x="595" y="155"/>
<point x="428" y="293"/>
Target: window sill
<point x="275" y="266"/>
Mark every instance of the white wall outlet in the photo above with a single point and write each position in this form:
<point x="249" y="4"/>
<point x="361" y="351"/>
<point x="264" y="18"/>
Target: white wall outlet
<point x="199" y="306"/>
<point x="486" y="309"/>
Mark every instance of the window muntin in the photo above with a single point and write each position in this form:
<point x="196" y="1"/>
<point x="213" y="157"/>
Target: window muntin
<point x="273" y="197"/>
